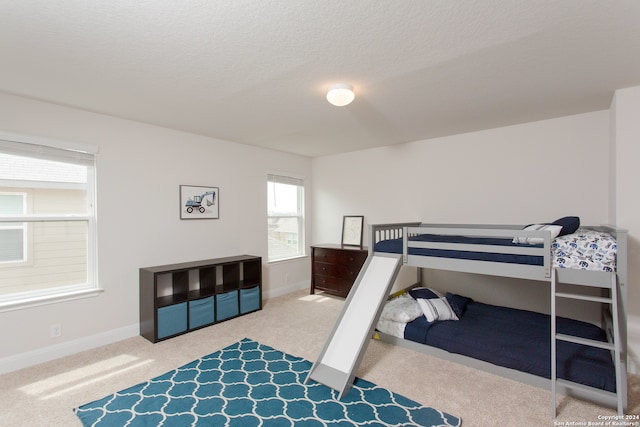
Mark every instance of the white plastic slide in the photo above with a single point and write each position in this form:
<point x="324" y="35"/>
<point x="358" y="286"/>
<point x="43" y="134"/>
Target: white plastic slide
<point x="339" y="360"/>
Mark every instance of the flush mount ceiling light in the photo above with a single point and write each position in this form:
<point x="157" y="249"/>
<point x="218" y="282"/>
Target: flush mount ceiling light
<point x="340" y="94"/>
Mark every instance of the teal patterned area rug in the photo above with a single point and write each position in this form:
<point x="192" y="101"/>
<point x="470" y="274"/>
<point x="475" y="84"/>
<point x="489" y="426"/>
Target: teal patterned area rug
<point x="249" y="384"/>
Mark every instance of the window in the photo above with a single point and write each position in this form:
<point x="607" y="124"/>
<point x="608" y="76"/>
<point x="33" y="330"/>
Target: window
<point x="285" y="218"/>
<point x="47" y="222"/>
<point x="12" y="235"/>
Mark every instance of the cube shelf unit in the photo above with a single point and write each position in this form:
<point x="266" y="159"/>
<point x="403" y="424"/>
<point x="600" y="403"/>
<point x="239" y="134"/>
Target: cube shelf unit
<point x="178" y="298"/>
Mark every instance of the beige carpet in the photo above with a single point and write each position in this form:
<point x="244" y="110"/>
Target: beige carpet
<point x="298" y="324"/>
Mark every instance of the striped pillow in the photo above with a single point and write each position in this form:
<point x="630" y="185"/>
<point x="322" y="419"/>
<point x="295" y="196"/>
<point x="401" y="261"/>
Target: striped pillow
<point x="554" y="229"/>
<point x="437" y="309"/>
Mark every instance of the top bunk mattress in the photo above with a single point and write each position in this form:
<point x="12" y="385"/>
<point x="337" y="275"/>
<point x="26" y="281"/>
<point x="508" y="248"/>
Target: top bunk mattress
<point x="584" y="249"/>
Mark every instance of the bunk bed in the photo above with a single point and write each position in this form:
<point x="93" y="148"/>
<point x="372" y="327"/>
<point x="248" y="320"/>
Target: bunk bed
<point x="571" y="357"/>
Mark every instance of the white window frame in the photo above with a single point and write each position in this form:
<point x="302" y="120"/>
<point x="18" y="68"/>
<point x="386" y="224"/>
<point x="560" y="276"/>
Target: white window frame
<point x="49" y="149"/>
<point x="287" y="178"/>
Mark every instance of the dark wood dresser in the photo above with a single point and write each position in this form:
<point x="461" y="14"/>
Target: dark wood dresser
<point x="334" y="268"/>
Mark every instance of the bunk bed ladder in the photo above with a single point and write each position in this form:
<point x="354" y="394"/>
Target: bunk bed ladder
<point x="614" y="347"/>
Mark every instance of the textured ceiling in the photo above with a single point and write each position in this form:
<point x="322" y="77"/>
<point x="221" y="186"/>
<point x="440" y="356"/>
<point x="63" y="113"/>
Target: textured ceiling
<point x="256" y="72"/>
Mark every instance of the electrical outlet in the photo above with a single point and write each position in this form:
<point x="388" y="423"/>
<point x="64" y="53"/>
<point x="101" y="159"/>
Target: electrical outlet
<point x="56" y="330"/>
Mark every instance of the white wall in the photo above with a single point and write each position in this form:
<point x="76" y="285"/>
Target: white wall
<point x="517" y="174"/>
<point x="533" y="172"/>
<point x="625" y="112"/>
<point x="140" y="168"/>
<point x="626" y="105"/>
<point x="585" y="165"/>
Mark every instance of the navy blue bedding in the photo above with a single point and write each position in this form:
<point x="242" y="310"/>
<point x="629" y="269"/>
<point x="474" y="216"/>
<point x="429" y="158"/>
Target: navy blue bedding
<point x="520" y="340"/>
<point x="395" y="246"/>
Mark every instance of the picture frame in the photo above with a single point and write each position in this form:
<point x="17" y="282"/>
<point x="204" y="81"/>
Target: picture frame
<point x="352" y="228"/>
<point x="199" y="202"/>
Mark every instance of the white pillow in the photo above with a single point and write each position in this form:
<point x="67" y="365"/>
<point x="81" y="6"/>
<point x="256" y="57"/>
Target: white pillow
<point x="554" y="229"/>
<point x="401" y="309"/>
<point x="390" y="327"/>
<point x="437" y="309"/>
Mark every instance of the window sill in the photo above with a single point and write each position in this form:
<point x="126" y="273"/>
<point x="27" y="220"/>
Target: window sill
<point x="35" y="301"/>
<point x="284" y="260"/>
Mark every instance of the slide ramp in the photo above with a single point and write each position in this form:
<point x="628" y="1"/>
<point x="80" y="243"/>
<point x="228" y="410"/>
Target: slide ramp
<point x="339" y="359"/>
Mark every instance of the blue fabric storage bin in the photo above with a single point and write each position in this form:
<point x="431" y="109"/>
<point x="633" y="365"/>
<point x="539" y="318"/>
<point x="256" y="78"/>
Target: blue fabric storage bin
<point x="249" y="299"/>
<point x="227" y="305"/>
<point x="172" y="320"/>
<point x="201" y="312"/>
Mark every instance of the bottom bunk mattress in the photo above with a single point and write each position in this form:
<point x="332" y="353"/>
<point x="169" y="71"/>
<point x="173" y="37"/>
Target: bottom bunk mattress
<point x="513" y="338"/>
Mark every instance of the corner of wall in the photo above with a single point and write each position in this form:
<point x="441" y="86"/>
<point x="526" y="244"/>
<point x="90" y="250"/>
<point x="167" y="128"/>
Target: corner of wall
<point x="633" y="344"/>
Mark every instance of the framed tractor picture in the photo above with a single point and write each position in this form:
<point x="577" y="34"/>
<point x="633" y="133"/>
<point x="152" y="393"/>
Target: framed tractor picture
<point x="198" y="202"/>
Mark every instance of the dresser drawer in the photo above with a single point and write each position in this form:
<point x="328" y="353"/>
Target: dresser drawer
<point x="352" y="259"/>
<point x="349" y="273"/>
<point x="325" y="269"/>
<point x="328" y="282"/>
<point x="325" y="255"/>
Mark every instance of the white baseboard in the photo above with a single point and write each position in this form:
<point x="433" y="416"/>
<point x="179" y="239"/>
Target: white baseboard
<point x="46" y="354"/>
<point x="283" y="290"/>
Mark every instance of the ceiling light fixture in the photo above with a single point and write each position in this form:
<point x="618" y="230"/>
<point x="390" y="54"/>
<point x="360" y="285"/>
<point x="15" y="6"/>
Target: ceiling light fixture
<point x="341" y="94"/>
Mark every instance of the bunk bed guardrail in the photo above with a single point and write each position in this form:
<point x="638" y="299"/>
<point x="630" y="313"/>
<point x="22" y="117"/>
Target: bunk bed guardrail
<point x="411" y="247"/>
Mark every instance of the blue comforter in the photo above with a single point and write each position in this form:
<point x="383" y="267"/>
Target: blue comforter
<point x="395" y="246"/>
<point x="520" y="340"/>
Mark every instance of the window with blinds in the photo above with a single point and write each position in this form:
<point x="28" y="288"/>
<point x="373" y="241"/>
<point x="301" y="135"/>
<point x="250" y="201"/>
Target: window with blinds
<point x="285" y="217"/>
<point x="47" y="220"/>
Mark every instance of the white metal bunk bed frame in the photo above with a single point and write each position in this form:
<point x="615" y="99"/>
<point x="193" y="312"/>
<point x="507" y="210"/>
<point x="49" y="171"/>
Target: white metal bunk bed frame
<point x="615" y="283"/>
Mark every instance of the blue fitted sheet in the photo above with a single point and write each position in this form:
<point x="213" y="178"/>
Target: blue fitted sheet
<point x="395" y="246"/>
<point x="520" y="340"/>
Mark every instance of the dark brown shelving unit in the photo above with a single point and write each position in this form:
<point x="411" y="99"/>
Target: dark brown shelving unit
<point x="178" y="298"/>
